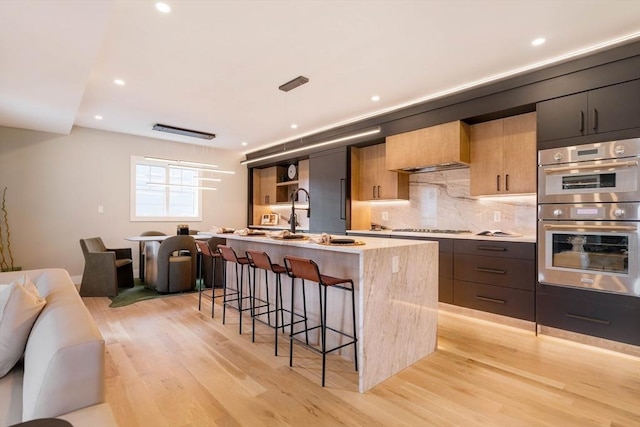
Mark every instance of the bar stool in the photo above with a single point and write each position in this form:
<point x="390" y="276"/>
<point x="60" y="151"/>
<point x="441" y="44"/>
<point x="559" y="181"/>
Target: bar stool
<point x="229" y="255"/>
<point x="205" y="250"/>
<point x="260" y="260"/>
<point x="307" y="269"/>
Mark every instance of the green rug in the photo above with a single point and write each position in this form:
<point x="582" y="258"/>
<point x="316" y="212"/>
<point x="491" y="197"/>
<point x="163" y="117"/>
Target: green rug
<point x="139" y="293"/>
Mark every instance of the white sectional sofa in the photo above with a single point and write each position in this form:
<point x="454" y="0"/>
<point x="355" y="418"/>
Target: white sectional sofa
<point x="62" y="374"/>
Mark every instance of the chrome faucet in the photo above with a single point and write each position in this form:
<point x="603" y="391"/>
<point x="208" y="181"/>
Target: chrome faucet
<point x="292" y="218"/>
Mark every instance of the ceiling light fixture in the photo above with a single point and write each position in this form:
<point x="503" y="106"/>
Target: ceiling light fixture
<point x="209" y="165"/>
<point x="308" y="147"/>
<point x="375" y="98"/>
<point x="184" y="132"/>
<point x="539" y="41"/>
<point x="185" y="164"/>
<point x="292" y="84"/>
<point x="201" y="178"/>
<point x="196" y="187"/>
<point x="244" y="144"/>
<point x="163" y="7"/>
<point x="97" y="117"/>
<point x="294" y="126"/>
<point x="119" y="82"/>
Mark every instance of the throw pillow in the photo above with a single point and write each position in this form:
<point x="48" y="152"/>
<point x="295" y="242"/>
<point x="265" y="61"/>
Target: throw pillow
<point x="20" y="305"/>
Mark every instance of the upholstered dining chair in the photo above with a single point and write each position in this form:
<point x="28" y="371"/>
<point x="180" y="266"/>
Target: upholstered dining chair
<point x="104" y="269"/>
<point x="176" y="269"/>
<point x="141" y="257"/>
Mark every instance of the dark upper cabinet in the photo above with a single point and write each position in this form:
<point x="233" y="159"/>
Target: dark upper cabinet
<point x="607" y="109"/>
<point x="328" y="191"/>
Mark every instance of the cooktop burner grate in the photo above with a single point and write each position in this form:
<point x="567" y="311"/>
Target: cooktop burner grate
<point x="431" y="230"/>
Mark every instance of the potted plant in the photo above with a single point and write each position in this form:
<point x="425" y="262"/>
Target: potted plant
<point x="6" y="257"/>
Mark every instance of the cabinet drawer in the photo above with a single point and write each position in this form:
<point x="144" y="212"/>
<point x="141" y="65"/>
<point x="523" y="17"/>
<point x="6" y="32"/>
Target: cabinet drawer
<point x="512" y="273"/>
<point x="495" y="249"/>
<point x="599" y="319"/>
<point x="494" y="299"/>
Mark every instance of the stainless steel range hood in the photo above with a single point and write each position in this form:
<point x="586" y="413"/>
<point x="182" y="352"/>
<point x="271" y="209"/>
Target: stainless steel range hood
<point x="436" y="148"/>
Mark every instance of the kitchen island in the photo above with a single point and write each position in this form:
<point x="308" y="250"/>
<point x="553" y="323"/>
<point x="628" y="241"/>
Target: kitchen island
<point x="396" y="283"/>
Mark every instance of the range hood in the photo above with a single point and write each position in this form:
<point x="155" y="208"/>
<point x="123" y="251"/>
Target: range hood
<point x="436" y="148"/>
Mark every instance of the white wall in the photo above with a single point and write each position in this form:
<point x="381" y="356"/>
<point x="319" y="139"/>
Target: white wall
<point x="56" y="182"/>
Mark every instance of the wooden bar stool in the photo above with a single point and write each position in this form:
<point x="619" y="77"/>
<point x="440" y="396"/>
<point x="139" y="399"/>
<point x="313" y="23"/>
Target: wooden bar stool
<point x="206" y="250"/>
<point x="307" y="269"/>
<point x="229" y="255"/>
<point x="261" y="260"/>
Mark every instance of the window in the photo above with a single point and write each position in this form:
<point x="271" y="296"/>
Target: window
<point x="157" y="193"/>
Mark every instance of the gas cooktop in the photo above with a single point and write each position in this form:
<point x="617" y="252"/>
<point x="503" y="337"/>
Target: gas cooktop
<point x="431" y="230"/>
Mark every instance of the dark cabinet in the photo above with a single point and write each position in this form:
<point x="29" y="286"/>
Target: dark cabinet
<point x="328" y="191"/>
<point x="608" y="109"/>
<point x="599" y="314"/>
<point x="497" y="277"/>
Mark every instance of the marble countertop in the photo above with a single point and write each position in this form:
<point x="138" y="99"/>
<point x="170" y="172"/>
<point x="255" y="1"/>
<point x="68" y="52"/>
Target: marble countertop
<point x="370" y="243"/>
<point x="466" y="236"/>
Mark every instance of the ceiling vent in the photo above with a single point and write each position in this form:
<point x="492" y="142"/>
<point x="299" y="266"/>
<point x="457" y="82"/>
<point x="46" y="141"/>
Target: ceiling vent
<point x="290" y="85"/>
<point x="183" y="132"/>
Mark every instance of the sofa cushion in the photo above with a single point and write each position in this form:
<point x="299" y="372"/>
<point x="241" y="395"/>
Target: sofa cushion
<point x="11" y="396"/>
<point x="20" y="305"/>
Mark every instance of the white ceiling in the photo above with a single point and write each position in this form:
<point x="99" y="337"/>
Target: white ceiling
<point x="215" y="66"/>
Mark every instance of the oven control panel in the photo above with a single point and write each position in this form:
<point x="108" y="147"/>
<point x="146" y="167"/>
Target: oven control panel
<point x="590" y="212"/>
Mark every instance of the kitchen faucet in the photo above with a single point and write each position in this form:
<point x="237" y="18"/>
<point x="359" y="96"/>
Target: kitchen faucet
<point x="292" y="218"/>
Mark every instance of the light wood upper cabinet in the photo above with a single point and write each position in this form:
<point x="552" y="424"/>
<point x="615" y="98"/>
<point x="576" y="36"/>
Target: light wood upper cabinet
<point x="376" y="182"/>
<point x="445" y="144"/>
<point x="503" y="156"/>
<point x="268" y="186"/>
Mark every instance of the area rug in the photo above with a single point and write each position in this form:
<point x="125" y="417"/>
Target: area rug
<point x="139" y="293"/>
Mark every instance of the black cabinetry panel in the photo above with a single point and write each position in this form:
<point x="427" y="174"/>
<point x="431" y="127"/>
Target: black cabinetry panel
<point x="328" y="191"/>
<point x="494" y="299"/>
<point x="496" y="248"/>
<point x="609" y="316"/>
<point x="608" y="109"/>
<point x="512" y="273"/>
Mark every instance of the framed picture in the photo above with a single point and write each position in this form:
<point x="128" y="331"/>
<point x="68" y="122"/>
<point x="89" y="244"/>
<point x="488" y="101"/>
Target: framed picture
<point x="269" y="219"/>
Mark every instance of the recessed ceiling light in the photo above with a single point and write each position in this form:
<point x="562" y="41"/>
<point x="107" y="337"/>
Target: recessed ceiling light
<point x="539" y="41"/>
<point x="294" y="126"/>
<point x="375" y="98"/>
<point x="244" y="144"/>
<point x="163" y="7"/>
<point x="119" y="82"/>
<point x="97" y="117"/>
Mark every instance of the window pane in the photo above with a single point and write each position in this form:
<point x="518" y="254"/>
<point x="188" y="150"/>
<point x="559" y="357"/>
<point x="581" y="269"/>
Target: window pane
<point x="158" y="201"/>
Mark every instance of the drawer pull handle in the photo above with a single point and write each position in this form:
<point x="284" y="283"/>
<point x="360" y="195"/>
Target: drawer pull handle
<point x="589" y="319"/>
<point x="497" y="301"/>
<point x="491" y="248"/>
<point x="490" y="270"/>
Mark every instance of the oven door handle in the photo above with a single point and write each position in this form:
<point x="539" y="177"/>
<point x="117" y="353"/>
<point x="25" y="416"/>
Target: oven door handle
<point x="592" y="227"/>
<point x="582" y="167"/>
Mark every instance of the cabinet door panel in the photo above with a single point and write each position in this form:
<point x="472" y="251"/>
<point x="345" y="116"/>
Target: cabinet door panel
<point x="614" y="107"/>
<point x="496" y="248"/>
<point x="520" y="154"/>
<point x="512" y="273"/>
<point x="486" y="158"/>
<point x="494" y="299"/>
<point x="564" y="117"/>
<point x="595" y="318"/>
<point x="445" y="290"/>
<point x="328" y="192"/>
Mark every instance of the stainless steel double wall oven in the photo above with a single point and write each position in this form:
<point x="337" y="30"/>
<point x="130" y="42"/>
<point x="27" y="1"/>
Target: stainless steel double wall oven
<point x="589" y="216"/>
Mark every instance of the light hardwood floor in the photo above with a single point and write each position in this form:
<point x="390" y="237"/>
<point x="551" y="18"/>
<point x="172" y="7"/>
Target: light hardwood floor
<point x="170" y="365"/>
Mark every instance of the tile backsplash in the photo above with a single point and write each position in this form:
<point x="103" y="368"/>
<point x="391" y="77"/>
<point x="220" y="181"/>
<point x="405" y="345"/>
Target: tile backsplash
<point x="441" y="200"/>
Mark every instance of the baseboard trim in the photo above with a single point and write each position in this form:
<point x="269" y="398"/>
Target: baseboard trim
<point x="618" y="347"/>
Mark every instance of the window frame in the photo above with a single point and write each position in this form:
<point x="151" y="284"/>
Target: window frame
<point x="133" y="194"/>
